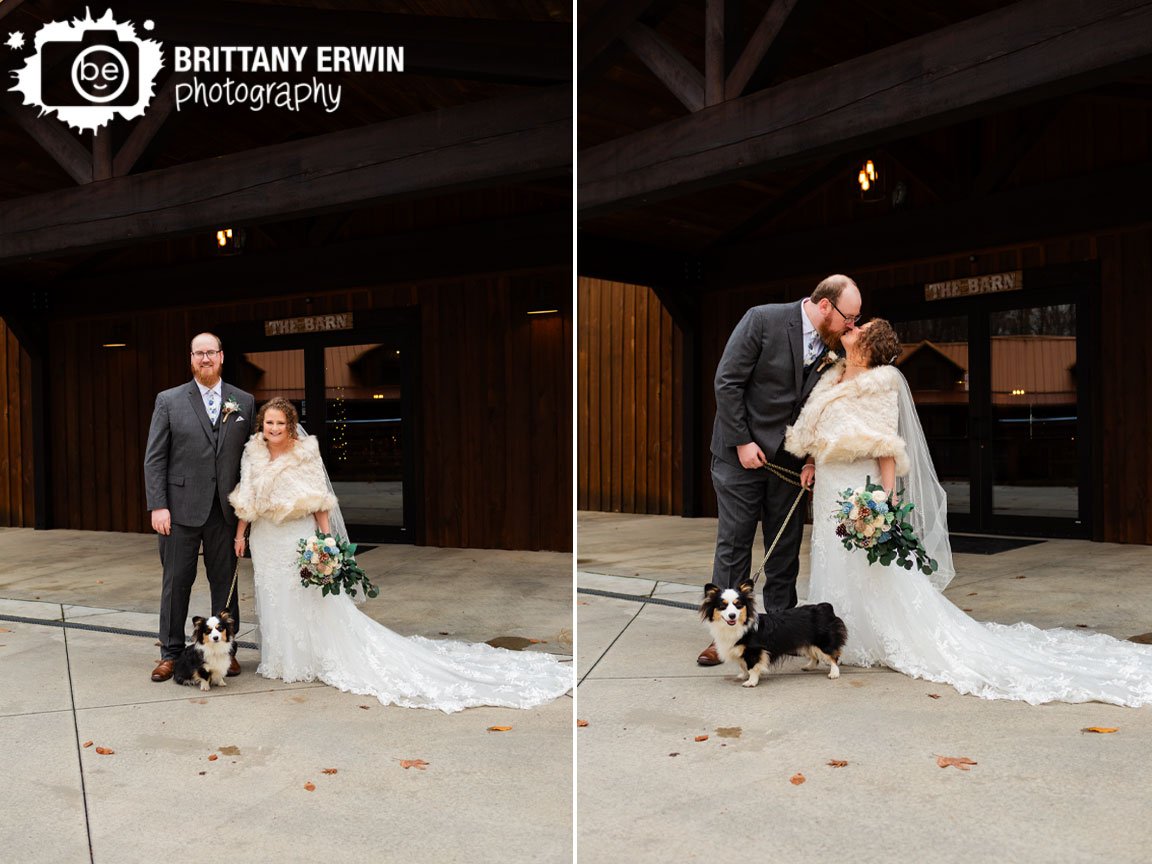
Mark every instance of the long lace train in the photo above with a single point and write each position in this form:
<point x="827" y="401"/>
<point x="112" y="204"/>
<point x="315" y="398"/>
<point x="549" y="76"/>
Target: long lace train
<point x="305" y="636"/>
<point x="896" y="618"/>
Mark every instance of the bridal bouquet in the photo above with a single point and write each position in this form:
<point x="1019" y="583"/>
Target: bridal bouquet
<point x="866" y="520"/>
<point x="330" y="562"/>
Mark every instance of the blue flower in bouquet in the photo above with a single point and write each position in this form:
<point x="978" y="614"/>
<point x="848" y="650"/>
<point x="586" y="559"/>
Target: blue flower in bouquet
<point x="867" y="520"/>
<point x="329" y="562"/>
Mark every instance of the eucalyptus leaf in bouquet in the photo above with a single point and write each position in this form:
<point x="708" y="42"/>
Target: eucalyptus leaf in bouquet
<point x="867" y="519"/>
<point x="328" y="561"/>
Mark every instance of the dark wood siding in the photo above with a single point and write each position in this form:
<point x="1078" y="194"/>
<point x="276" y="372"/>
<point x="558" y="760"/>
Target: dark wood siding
<point x="496" y="396"/>
<point x="1121" y="465"/>
<point x="16" y="477"/>
<point x="629" y="438"/>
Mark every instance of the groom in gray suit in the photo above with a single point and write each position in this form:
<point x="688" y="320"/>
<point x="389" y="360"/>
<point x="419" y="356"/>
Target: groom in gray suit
<point x="191" y="464"/>
<point x="769" y="366"/>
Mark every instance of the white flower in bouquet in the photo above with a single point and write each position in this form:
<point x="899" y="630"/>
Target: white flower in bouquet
<point x="329" y="542"/>
<point x="880" y="496"/>
<point x="854" y="513"/>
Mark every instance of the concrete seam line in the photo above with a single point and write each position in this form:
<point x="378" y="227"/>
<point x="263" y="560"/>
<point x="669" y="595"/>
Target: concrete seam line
<point x="638" y="598"/>
<point x="95" y="628"/>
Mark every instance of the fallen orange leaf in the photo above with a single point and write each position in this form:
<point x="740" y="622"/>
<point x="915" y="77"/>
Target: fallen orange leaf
<point x="328" y="771"/>
<point x="837" y="763"/>
<point x="413" y="763"/>
<point x="87" y="744"/>
<point x="104" y="751"/>
<point x="701" y="737"/>
<point x="213" y="758"/>
<point x="310" y="786"/>
<point x="499" y="728"/>
<point x="581" y="723"/>
<point x="1102" y="730"/>
<point x="961" y="762"/>
<point x="797" y="779"/>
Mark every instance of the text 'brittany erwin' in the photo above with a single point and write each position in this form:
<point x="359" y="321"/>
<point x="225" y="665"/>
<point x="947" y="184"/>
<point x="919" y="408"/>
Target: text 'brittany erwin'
<point x="288" y="58"/>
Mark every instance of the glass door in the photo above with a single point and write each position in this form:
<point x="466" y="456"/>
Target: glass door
<point x="999" y="388"/>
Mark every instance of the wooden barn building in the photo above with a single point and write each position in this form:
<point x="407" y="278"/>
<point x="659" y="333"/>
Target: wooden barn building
<point x="982" y="169"/>
<point x="401" y="267"/>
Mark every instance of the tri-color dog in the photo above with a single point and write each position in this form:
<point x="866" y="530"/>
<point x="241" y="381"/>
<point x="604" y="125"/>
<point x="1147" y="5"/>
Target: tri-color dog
<point x="205" y="662"/>
<point x="759" y="641"/>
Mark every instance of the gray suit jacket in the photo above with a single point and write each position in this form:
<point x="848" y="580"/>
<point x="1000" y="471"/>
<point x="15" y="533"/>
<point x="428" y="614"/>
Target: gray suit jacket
<point x="185" y="465"/>
<point x="760" y="381"/>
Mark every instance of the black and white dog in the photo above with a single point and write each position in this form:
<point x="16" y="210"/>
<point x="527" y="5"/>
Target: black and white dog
<point x="757" y="642"/>
<point x="205" y="661"/>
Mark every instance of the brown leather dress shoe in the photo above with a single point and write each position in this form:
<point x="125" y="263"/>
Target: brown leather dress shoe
<point x="164" y="671"/>
<point x="709" y="657"/>
<point x="233" y="668"/>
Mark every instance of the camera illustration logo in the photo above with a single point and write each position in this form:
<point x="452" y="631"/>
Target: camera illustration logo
<point x="90" y="70"/>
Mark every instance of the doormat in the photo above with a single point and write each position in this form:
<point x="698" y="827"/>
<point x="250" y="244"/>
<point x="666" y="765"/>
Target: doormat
<point x="969" y="545"/>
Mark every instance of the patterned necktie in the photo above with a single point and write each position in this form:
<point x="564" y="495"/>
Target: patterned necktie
<point x="213" y="408"/>
<point x="812" y="350"/>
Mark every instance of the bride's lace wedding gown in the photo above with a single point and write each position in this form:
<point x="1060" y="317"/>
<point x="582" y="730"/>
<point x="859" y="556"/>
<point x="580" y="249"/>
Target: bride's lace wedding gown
<point x="897" y="618"/>
<point x="305" y="636"/>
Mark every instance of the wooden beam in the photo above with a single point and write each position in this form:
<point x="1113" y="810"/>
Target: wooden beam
<point x="715" y="65"/>
<point x="595" y="35"/>
<point x="1079" y="205"/>
<point x="9" y="6"/>
<point x="1022" y="53"/>
<point x="1034" y="121"/>
<point x="783" y="202"/>
<point x="757" y="48"/>
<point x="524" y="242"/>
<point x="147" y="127"/>
<point x="682" y="78"/>
<point x="101" y="153"/>
<point x="474" y="145"/>
<point x="52" y="136"/>
<point x="514" y="52"/>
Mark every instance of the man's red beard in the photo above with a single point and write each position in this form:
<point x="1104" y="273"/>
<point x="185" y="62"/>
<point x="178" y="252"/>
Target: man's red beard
<point x="832" y="340"/>
<point x="208" y="376"/>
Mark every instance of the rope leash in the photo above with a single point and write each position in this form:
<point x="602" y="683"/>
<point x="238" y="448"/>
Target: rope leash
<point x="792" y="478"/>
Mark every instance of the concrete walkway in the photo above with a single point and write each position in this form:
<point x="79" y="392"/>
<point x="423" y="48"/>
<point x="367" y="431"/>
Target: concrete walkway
<point x="649" y="791"/>
<point x="161" y="796"/>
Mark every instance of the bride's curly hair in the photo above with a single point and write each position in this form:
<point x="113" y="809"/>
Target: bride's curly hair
<point x="279" y="403"/>
<point x="879" y="343"/>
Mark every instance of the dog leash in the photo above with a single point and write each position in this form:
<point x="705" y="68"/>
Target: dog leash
<point x="793" y="478"/>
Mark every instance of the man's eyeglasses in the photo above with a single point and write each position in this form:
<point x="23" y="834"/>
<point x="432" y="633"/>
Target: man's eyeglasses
<point x="848" y="319"/>
<point x="211" y="355"/>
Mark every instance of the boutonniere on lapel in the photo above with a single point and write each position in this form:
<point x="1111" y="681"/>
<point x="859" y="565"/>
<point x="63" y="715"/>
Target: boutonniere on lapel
<point x="827" y="360"/>
<point x="230" y="408"/>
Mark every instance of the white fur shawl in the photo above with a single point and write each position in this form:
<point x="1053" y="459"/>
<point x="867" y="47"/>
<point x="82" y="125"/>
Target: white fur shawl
<point x="850" y="420"/>
<point x="289" y="487"/>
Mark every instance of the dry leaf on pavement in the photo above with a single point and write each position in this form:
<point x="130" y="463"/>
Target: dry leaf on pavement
<point x="413" y="763"/>
<point x="837" y="763"/>
<point x="87" y="744"/>
<point x="933" y="695"/>
<point x="104" y="751"/>
<point x="581" y="723"/>
<point x="1102" y="730"/>
<point x="499" y="728"/>
<point x="797" y="779"/>
<point x="310" y="786"/>
<point x="961" y="762"/>
<point x="213" y="757"/>
<point x="329" y="771"/>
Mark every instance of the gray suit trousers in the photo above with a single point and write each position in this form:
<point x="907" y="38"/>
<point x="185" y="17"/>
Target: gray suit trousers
<point x="746" y="499"/>
<point x="179" y="552"/>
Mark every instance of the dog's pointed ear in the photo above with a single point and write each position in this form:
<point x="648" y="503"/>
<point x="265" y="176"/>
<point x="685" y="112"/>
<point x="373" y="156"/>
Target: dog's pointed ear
<point x="197" y="621"/>
<point x="711" y="590"/>
<point x="224" y="616"/>
<point x="747" y="586"/>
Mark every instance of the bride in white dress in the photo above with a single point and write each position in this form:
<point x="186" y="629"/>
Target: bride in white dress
<point x="284" y="493"/>
<point x="859" y="421"/>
